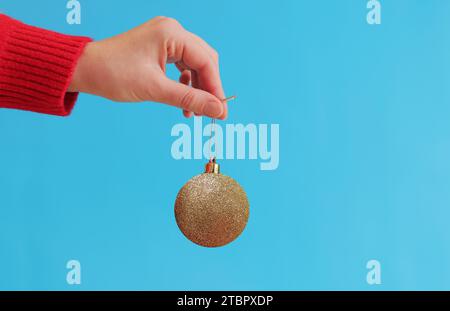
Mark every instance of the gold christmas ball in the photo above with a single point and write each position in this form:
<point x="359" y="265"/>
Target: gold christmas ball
<point x="211" y="209"/>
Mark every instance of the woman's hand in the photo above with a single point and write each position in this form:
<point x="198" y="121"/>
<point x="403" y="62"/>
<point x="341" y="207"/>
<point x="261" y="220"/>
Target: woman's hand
<point x="131" y="67"/>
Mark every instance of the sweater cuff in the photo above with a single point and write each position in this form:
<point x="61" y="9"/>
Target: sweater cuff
<point x="36" y="68"/>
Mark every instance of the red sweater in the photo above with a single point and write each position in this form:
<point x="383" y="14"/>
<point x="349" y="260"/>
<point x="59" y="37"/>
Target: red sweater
<point x="36" y="67"/>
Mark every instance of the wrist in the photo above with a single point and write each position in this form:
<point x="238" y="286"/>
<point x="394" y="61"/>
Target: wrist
<point x="83" y="71"/>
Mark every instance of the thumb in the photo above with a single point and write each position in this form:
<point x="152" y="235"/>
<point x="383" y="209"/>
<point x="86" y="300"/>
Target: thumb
<point x="191" y="99"/>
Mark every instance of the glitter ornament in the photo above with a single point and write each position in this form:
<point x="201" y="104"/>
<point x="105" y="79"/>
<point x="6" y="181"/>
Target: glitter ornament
<point x="211" y="209"/>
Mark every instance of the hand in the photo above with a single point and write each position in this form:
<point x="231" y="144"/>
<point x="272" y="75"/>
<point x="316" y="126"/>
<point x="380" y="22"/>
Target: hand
<point x="131" y="67"/>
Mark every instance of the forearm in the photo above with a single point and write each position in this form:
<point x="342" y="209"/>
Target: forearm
<point x="36" y="68"/>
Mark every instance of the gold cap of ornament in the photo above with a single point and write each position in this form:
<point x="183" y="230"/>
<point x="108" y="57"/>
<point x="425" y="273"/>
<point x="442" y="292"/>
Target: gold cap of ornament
<point x="212" y="167"/>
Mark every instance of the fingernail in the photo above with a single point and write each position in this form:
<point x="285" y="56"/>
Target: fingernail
<point x="213" y="109"/>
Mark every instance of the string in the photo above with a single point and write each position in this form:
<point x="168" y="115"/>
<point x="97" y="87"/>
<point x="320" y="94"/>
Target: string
<point x="212" y="155"/>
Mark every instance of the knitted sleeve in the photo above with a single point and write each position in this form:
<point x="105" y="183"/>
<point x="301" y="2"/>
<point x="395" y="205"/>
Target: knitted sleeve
<point x="36" y="67"/>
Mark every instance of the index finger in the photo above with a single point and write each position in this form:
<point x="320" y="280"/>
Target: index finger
<point x="197" y="58"/>
<point x="214" y="55"/>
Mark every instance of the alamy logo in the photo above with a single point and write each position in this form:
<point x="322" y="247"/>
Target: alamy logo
<point x="73" y="277"/>
<point x="74" y="15"/>
<point x="374" y="14"/>
<point x="229" y="144"/>
<point x="374" y="275"/>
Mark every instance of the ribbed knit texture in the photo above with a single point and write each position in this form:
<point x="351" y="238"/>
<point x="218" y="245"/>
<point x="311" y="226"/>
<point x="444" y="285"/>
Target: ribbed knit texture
<point x="36" y="67"/>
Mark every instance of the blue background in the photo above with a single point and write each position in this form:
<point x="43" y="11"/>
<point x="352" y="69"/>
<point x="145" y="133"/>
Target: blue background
<point x="364" y="155"/>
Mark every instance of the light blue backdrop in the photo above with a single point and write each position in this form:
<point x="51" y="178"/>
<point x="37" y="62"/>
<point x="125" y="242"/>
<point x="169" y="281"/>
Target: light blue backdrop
<point x="364" y="114"/>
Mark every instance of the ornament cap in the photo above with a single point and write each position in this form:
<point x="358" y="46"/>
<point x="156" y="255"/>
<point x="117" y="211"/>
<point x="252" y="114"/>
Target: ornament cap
<point x="212" y="167"/>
